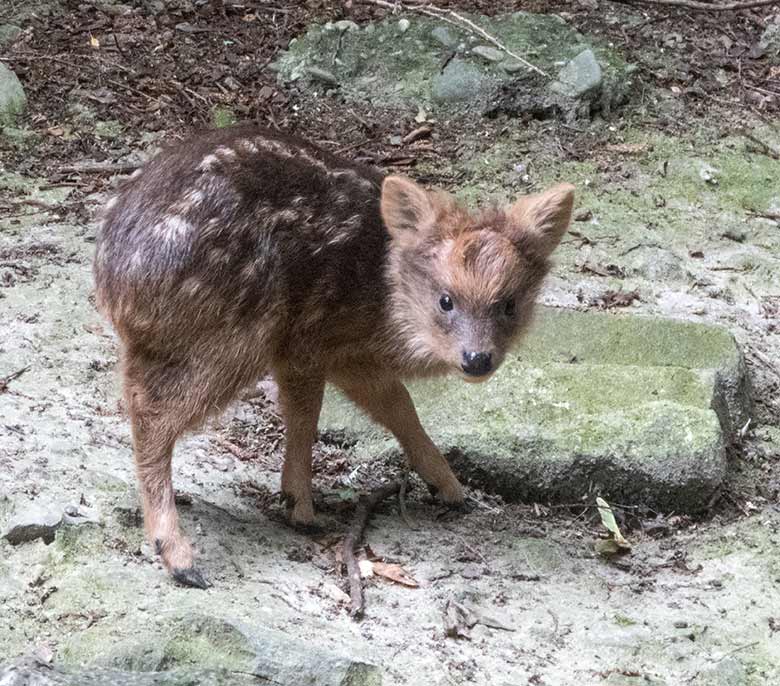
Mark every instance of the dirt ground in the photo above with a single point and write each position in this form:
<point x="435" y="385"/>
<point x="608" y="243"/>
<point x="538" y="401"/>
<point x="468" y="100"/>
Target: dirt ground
<point x="697" y="601"/>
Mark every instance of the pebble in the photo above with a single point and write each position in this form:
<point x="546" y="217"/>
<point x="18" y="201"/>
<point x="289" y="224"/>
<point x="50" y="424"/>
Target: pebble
<point x="322" y="75"/>
<point x="489" y="53"/>
<point x="580" y="76"/>
<point x="346" y="25"/>
<point x="403" y="25"/>
<point x="443" y="36"/>
<point x="512" y="66"/>
<point x="471" y="571"/>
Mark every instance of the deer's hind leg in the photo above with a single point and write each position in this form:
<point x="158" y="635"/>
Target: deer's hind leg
<point x="165" y="399"/>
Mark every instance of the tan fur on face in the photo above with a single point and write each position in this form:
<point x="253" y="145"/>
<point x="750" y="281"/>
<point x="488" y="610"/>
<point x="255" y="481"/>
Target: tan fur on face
<point x="482" y="260"/>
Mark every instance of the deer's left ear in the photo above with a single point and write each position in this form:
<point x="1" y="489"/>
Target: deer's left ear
<point x="538" y="222"/>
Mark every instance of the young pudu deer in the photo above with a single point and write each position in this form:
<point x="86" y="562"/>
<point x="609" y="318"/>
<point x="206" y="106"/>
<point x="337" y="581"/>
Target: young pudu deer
<point x="243" y="252"/>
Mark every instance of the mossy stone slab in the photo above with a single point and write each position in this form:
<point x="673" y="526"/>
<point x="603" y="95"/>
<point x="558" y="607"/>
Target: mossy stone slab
<point x="636" y="409"/>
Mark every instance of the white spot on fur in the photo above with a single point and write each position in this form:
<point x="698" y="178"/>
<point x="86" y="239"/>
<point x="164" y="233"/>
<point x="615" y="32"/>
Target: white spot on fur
<point x="248" y="146"/>
<point x="172" y="228"/>
<point x="137" y="261"/>
<point x="225" y="152"/>
<point x="194" y="197"/>
<point x="208" y="163"/>
<point x="189" y="201"/>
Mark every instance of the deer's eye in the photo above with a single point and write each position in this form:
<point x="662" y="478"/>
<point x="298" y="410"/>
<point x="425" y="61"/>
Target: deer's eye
<point x="445" y="302"/>
<point x="509" y="308"/>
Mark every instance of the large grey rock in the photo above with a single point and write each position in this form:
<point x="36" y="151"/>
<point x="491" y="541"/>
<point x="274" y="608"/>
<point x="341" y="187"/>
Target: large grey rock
<point x="580" y="76"/>
<point x="459" y="81"/>
<point x="8" y="33"/>
<point x="769" y="43"/>
<point x="637" y="409"/>
<point x="203" y="649"/>
<point x="12" y="97"/>
<point x="33" y="522"/>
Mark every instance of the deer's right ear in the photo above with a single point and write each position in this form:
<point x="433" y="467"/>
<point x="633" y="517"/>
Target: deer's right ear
<point x="407" y="209"/>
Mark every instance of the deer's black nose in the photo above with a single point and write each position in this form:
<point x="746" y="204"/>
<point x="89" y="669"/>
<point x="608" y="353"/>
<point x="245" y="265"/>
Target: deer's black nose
<point x="476" y="364"/>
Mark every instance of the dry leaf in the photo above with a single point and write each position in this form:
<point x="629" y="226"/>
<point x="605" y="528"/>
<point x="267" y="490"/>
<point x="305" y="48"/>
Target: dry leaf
<point x="616" y="544"/>
<point x="395" y="573"/>
<point x="94" y="42"/>
<point x="608" y="520"/>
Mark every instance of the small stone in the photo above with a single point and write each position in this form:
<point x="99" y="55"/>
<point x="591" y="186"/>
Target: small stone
<point x="460" y="81"/>
<point x="512" y="66"/>
<point x="8" y="33"/>
<point x="486" y="52"/>
<point x="346" y="25"/>
<point x="32" y="523"/>
<point x="769" y="43"/>
<point x="443" y="36"/>
<point x="12" y="97"/>
<point x="708" y="174"/>
<point x="396" y="140"/>
<point x="185" y="27"/>
<point x="74" y="516"/>
<point x="579" y="77"/>
<point x="583" y="215"/>
<point x="679" y="624"/>
<point x="472" y="571"/>
<point x="322" y="75"/>
<point x="403" y="25"/>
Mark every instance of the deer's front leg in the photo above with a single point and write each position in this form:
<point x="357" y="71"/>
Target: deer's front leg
<point x="388" y="403"/>
<point x="301" y="399"/>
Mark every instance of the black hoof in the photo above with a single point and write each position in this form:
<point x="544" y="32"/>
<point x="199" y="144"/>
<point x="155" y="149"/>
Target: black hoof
<point x="454" y="510"/>
<point x="190" y="577"/>
<point x="463" y="507"/>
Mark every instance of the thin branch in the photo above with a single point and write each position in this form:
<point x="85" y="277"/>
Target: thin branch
<point x="763" y="148"/>
<point x="6" y="380"/>
<point x="101" y="168"/>
<point x="355" y="536"/>
<point x="704" y="6"/>
<point x="452" y="17"/>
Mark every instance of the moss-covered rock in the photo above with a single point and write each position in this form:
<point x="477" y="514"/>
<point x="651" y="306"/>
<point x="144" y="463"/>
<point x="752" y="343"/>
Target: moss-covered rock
<point x="638" y="409"/>
<point x="12" y="97"/>
<point x="199" y="646"/>
<point x="421" y="61"/>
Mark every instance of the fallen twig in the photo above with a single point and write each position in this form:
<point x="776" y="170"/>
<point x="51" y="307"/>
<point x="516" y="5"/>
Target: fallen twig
<point x="420" y="132"/>
<point x="705" y="6"/>
<point x="355" y="536"/>
<point x="452" y="17"/>
<point x="765" y="215"/>
<point x="101" y="168"/>
<point x="5" y="380"/>
<point x="763" y="148"/>
<point x="241" y="454"/>
<point x="402" y="501"/>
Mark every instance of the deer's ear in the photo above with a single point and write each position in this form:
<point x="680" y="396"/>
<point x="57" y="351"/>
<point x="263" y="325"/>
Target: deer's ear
<point x="538" y="222"/>
<point x="408" y="210"/>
